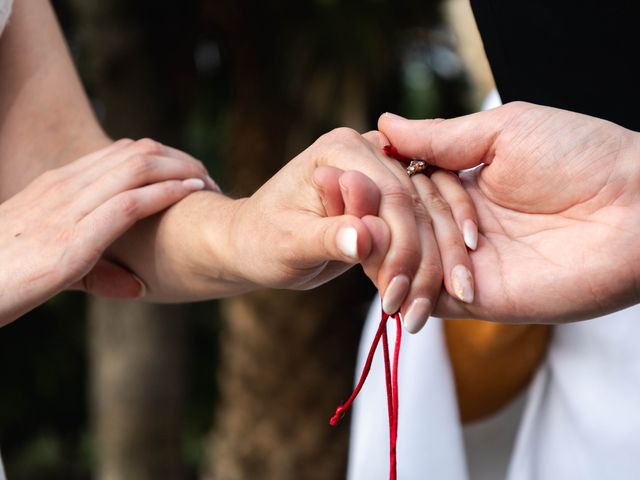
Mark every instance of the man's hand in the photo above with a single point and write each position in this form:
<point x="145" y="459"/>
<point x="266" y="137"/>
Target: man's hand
<point x="558" y="204"/>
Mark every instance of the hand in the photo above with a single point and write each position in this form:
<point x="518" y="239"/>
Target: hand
<point x="557" y="201"/>
<point x="56" y="229"/>
<point x="341" y="202"/>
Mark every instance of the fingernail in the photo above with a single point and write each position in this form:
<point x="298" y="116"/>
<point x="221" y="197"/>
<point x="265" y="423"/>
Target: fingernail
<point x="211" y="183"/>
<point x="395" y="293"/>
<point x="417" y="315"/>
<point x="393" y="116"/>
<point x="470" y="234"/>
<point x="347" y="241"/>
<point x="143" y="287"/>
<point x="193" y="183"/>
<point x="462" y="283"/>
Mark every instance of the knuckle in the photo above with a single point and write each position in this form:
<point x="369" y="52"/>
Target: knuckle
<point x="437" y="204"/>
<point x="140" y="164"/>
<point x="421" y="214"/>
<point x="407" y="252"/>
<point x="148" y="146"/>
<point x="431" y="271"/>
<point x="345" y="135"/>
<point x="127" y="205"/>
<point x="123" y="142"/>
<point x="398" y="195"/>
<point x="51" y="179"/>
<point x="376" y="137"/>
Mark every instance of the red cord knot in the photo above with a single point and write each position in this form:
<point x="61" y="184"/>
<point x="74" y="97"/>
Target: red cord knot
<point x="392" y="152"/>
<point x="339" y="415"/>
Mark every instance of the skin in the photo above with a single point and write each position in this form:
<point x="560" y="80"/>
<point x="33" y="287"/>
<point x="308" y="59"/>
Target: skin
<point x="340" y="202"/>
<point x="70" y="215"/>
<point x="557" y="201"/>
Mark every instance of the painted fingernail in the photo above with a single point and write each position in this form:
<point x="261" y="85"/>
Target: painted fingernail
<point x="394" y="294"/>
<point x="211" y="184"/>
<point x="143" y="288"/>
<point x="462" y="283"/>
<point x="393" y="116"/>
<point x="193" y="183"/>
<point x="470" y="234"/>
<point x="347" y="241"/>
<point x="417" y="315"/>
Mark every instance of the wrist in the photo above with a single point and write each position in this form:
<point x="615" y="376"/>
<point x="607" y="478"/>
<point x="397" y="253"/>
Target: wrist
<point x="202" y="251"/>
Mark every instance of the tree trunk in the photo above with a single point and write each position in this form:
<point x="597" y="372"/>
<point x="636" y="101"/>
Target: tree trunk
<point x="136" y="353"/>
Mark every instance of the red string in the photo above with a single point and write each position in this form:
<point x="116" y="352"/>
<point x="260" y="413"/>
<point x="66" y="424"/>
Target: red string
<point x="391" y="380"/>
<point x="392" y="152"/>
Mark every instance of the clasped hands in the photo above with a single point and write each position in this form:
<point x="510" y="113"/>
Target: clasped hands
<point x="556" y="200"/>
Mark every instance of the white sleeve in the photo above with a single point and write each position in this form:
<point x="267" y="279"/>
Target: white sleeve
<point x="5" y="11"/>
<point x="2" y="475"/>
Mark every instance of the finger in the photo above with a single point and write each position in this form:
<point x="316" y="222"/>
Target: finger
<point x="361" y="196"/>
<point x="93" y="158"/>
<point x="344" y="238"/>
<point x="138" y="171"/>
<point x="427" y="282"/>
<point x="106" y="279"/>
<point x="380" y="242"/>
<point x="460" y="203"/>
<point x="135" y="158"/>
<point x="380" y="239"/>
<point x="176" y="153"/>
<point x="450" y="308"/>
<point x="376" y="138"/>
<point x="351" y="151"/>
<point x="326" y="181"/>
<point x="101" y="227"/>
<point x="454" y="144"/>
<point x="455" y="259"/>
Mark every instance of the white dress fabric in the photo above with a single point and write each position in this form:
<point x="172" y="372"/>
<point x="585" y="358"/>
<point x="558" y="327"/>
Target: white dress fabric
<point x="581" y="415"/>
<point x="5" y="11"/>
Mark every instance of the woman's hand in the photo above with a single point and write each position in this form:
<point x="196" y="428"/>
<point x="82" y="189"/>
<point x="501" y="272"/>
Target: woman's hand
<point x="558" y="203"/>
<point x="55" y="230"/>
<point x="341" y="202"/>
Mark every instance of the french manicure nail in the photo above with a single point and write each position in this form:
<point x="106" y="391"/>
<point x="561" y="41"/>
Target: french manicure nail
<point x="417" y="315"/>
<point x="394" y="294"/>
<point x="143" y="287"/>
<point x="462" y="283"/>
<point x="193" y="183"/>
<point x="470" y="234"/>
<point x="347" y="241"/>
<point x="393" y="116"/>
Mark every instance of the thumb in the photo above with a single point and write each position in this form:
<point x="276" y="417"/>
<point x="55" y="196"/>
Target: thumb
<point x="454" y="144"/>
<point x="344" y="238"/>
<point x="106" y="279"/>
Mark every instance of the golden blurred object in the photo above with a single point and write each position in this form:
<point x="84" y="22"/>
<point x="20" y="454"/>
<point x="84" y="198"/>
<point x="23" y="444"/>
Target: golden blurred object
<point x="492" y="362"/>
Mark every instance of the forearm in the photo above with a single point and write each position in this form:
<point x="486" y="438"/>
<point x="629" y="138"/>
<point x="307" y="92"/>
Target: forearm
<point x="45" y="117"/>
<point x="46" y="121"/>
<point x="186" y="253"/>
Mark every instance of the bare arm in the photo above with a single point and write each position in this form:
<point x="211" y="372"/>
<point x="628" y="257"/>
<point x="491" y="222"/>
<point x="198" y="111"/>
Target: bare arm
<point x="45" y="117"/>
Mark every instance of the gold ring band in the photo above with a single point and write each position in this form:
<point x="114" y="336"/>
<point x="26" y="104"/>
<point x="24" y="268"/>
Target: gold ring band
<point x="416" y="166"/>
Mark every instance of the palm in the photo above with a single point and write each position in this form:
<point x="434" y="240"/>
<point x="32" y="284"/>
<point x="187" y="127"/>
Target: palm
<point x="556" y="242"/>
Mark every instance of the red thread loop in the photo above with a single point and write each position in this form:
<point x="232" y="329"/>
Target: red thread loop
<point x="392" y="152"/>
<point x="391" y="380"/>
